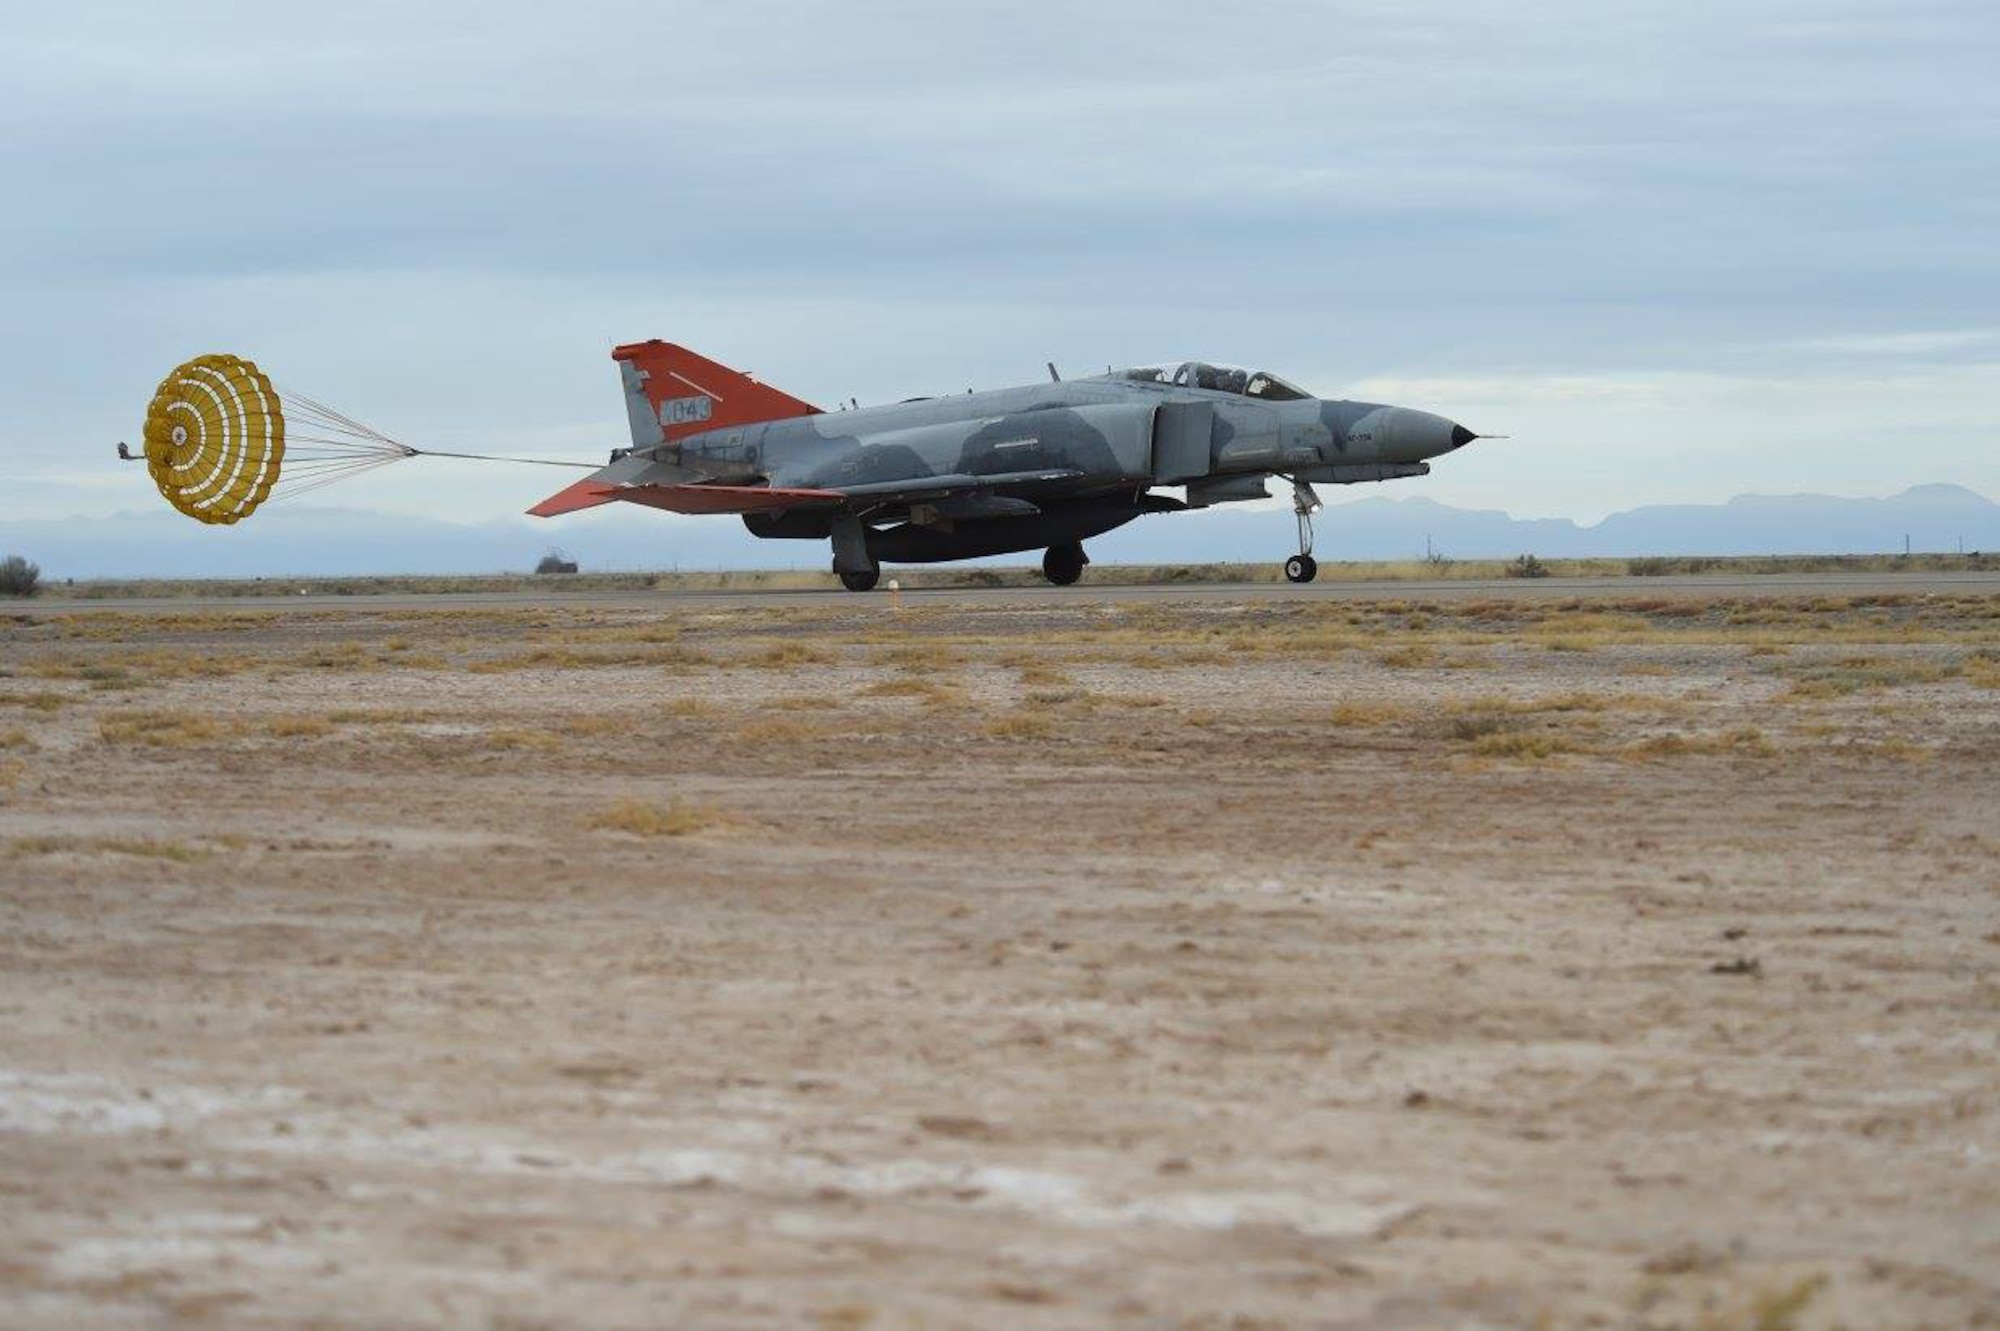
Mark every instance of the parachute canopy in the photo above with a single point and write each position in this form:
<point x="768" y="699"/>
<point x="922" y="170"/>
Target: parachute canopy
<point x="218" y="440"/>
<point x="215" y="437"/>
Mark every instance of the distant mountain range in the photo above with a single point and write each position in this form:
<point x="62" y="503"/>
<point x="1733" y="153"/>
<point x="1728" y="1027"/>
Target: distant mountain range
<point x="326" y="542"/>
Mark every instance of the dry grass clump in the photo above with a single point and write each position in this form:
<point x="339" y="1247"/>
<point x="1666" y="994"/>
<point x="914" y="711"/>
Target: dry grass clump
<point x="1590" y="628"/>
<point x="158" y="730"/>
<point x="138" y="847"/>
<point x="103" y="676"/>
<point x="919" y="656"/>
<point x="1361" y="715"/>
<point x="813" y="702"/>
<point x="687" y="708"/>
<point x="1036" y="674"/>
<point x="1742" y="741"/>
<point x="638" y="818"/>
<point x="16" y="739"/>
<point x="182" y="665"/>
<point x="903" y="686"/>
<point x="511" y="738"/>
<point x="1407" y="656"/>
<point x="1981" y="671"/>
<point x="928" y="691"/>
<point x="564" y="658"/>
<point x="782" y="730"/>
<point x="1019" y="725"/>
<point x="1061" y="697"/>
<point x="377" y="716"/>
<point x="1523" y="745"/>
<point x="346" y="656"/>
<point x="1893" y="747"/>
<point x="37" y="702"/>
<point x="590" y="726"/>
<point x="1557" y="702"/>
<point x="647" y="634"/>
<point x="789" y="656"/>
<point x="298" y="727"/>
<point x="1854" y="674"/>
<point x="541" y="658"/>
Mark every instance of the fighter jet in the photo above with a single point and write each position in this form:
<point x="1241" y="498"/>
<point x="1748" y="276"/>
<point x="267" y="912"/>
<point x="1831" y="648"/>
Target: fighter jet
<point x="1043" y="467"/>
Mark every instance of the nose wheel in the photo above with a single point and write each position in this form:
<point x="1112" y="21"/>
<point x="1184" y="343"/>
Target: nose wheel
<point x="1302" y="567"/>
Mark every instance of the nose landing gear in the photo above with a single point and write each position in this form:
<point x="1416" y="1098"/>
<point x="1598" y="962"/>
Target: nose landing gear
<point x="1302" y="567"/>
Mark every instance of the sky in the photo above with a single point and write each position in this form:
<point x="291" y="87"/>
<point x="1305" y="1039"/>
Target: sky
<point x="1678" y="251"/>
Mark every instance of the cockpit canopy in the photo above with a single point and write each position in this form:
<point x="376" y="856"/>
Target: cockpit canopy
<point x="1260" y="384"/>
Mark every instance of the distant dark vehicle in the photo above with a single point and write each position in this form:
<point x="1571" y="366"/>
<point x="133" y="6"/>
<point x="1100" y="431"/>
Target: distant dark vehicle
<point x="553" y="562"/>
<point x="18" y="577"/>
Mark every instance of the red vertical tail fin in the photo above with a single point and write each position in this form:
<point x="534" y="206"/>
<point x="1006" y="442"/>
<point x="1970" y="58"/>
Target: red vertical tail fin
<point x="671" y="392"/>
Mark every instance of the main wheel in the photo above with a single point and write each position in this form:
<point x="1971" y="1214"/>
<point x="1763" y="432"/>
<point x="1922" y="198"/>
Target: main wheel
<point x="1063" y="564"/>
<point x="863" y="580"/>
<point x="1301" y="568"/>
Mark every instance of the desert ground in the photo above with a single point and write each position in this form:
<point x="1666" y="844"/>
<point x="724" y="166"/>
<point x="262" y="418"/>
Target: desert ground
<point x="1047" y="961"/>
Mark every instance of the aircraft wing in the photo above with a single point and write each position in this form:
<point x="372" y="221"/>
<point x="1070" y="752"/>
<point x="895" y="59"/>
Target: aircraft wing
<point x="938" y="487"/>
<point x="699" y="497"/>
<point x="691" y="498"/>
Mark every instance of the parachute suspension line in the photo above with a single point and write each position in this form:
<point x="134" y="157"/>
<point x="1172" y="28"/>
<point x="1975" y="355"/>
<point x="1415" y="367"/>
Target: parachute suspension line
<point x="220" y="439"/>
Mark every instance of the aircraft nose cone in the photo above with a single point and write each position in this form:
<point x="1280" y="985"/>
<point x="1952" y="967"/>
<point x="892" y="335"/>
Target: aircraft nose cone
<point x="1460" y="436"/>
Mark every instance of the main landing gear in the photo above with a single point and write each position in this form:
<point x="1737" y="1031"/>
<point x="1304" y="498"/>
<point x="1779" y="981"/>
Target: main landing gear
<point x="1063" y="564"/>
<point x="853" y="562"/>
<point x="1302" y="567"/>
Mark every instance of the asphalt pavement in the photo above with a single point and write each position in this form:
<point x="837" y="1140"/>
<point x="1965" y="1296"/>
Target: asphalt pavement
<point x="1100" y="588"/>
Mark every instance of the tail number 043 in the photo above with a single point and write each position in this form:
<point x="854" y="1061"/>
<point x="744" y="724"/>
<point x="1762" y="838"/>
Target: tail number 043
<point x="685" y="410"/>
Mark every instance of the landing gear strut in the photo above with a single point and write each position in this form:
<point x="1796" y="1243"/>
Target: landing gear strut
<point x="1302" y="567"/>
<point x="853" y="562"/>
<point x="1063" y="564"/>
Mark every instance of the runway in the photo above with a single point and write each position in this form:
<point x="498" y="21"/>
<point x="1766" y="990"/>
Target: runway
<point x="1108" y="591"/>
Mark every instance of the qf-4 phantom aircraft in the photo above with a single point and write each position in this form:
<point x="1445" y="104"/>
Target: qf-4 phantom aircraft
<point x="1046" y="467"/>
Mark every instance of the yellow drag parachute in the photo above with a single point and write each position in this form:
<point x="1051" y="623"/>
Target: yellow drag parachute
<point x="215" y="438"/>
<point x="220" y="438"/>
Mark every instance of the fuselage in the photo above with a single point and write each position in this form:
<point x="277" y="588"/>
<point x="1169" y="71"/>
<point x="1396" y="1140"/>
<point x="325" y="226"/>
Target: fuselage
<point x="1104" y="430"/>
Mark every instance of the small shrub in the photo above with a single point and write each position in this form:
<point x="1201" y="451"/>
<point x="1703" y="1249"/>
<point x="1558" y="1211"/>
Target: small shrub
<point x="555" y="562"/>
<point x="1527" y="566"/>
<point x="18" y="577"/>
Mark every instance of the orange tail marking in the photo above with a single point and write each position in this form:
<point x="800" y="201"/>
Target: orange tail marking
<point x="691" y="393"/>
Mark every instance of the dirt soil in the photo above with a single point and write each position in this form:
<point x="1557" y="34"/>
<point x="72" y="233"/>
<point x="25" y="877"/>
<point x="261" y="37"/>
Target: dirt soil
<point x="1385" y="965"/>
